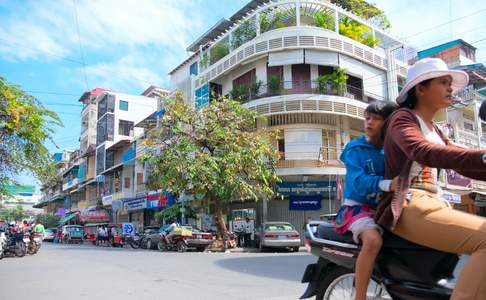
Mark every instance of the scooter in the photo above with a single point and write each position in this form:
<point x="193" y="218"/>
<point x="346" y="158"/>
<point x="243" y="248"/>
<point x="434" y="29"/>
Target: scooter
<point x="177" y="243"/>
<point x="403" y="270"/>
<point x="3" y="243"/>
<point x="15" y="245"/>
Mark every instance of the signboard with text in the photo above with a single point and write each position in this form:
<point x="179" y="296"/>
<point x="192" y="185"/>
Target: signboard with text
<point x="307" y="188"/>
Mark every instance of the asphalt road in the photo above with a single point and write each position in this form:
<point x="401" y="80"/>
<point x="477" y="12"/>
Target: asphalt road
<point x="87" y="272"/>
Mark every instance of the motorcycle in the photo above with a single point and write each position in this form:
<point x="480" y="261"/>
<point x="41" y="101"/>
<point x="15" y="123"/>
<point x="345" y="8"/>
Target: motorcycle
<point x="177" y="243"/>
<point x="403" y="270"/>
<point x="3" y="243"/>
<point x="15" y="245"/>
<point x="135" y="241"/>
<point x="32" y="241"/>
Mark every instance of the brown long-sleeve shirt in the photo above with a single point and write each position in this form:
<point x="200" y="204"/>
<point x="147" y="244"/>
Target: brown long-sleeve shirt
<point x="404" y="143"/>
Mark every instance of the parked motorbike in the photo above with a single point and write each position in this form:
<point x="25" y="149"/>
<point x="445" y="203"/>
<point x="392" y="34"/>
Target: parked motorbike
<point x="177" y="243"/>
<point x="403" y="270"/>
<point x="135" y="241"/>
<point x="3" y="243"/>
<point x="15" y="245"/>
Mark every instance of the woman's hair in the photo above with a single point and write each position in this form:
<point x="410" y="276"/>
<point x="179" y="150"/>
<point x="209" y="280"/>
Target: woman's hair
<point x="381" y="108"/>
<point x="411" y="100"/>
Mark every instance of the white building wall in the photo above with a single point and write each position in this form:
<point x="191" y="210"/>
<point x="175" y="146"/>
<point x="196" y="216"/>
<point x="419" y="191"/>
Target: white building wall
<point x="302" y="143"/>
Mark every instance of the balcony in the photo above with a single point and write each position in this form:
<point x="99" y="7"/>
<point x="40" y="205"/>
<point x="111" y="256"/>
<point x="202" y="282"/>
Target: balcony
<point x="467" y="138"/>
<point x="282" y="15"/>
<point x="245" y="94"/>
<point x="325" y="157"/>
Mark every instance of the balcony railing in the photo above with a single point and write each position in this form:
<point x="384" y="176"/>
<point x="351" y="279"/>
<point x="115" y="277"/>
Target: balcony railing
<point x="244" y="93"/>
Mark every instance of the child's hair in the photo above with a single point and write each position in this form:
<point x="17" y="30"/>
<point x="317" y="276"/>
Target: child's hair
<point x="381" y="108"/>
<point x="411" y="100"/>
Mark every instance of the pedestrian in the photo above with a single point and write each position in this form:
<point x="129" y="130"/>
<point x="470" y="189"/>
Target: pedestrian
<point x="100" y="235"/>
<point x="248" y="231"/>
<point x="415" y="150"/>
<point x="39" y="228"/>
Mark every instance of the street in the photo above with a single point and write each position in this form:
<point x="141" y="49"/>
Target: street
<point x="88" y="272"/>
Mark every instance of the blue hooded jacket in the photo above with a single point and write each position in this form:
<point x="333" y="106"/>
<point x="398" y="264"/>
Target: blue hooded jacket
<point x="365" y="168"/>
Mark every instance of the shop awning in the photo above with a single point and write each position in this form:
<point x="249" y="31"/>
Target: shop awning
<point x="67" y="219"/>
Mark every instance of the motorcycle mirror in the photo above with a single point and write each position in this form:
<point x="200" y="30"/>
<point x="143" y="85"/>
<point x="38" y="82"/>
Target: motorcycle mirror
<point x="482" y="111"/>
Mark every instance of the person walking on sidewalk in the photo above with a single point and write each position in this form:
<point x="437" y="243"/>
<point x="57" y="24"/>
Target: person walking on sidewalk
<point x="248" y="231"/>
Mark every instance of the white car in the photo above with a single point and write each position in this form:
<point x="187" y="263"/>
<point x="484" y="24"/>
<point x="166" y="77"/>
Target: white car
<point x="277" y="235"/>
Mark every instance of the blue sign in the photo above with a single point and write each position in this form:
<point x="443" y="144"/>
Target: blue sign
<point x="307" y="188"/>
<point x="128" y="229"/>
<point x="305" y="202"/>
<point x="160" y="200"/>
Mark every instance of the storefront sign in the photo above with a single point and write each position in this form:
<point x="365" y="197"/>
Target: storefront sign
<point x="160" y="200"/>
<point x="305" y="202"/>
<point x="307" y="188"/>
<point x="451" y="198"/>
<point x="93" y="216"/>
<point x="107" y="200"/>
<point x="135" y="204"/>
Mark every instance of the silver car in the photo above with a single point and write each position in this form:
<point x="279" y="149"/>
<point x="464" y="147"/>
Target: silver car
<point x="277" y="235"/>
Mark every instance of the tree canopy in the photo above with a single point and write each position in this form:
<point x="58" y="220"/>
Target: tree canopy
<point x="214" y="153"/>
<point x="25" y="124"/>
<point x="366" y="10"/>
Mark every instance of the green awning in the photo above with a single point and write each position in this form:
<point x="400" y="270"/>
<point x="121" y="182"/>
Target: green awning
<point x="67" y="218"/>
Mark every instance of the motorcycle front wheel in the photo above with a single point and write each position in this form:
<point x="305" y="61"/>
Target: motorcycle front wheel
<point x="162" y="247"/>
<point x="339" y="285"/>
<point x="20" y="249"/>
<point x="181" y="246"/>
<point x="134" y="244"/>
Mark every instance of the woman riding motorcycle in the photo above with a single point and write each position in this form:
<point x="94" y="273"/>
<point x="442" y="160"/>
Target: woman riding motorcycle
<point x="415" y="150"/>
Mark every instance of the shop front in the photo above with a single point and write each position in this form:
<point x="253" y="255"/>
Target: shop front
<point x="134" y="209"/>
<point x="155" y="203"/>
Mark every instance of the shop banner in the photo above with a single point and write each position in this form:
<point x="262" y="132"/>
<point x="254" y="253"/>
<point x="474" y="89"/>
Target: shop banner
<point x="307" y="188"/>
<point x="135" y="204"/>
<point x="116" y="205"/>
<point x="160" y="200"/>
<point x="305" y="202"/>
<point x="93" y="216"/>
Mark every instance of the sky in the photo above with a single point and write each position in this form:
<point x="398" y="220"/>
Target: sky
<point x="56" y="50"/>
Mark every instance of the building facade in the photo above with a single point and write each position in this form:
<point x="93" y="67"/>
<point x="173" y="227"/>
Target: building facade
<point x="280" y="59"/>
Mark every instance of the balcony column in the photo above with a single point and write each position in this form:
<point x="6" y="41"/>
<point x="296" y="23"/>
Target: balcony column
<point x="336" y="20"/>
<point x="257" y="23"/>
<point x="391" y="75"/>
<point x="478" y="122"/>
<point x="297" y="13"/>
<point x="345" y="131"/>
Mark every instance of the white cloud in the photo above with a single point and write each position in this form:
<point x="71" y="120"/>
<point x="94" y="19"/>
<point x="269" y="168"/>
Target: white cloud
<point x="122" y="75"/>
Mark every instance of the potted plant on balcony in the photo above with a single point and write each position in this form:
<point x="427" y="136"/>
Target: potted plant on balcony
<point x="217" y="52"/>
<point x="334" y="83"/>
<point x="357" y="32"/>
<point x="274" y="84"/>
<point x="323" y="20"/>
<point x="255" y="89"/>
<point x="204" y="61"/>
<point x="240" y="93"/>
<point x="244" y="33"/>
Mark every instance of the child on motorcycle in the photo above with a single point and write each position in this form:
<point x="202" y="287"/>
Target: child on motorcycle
<point x="365" y="165"/>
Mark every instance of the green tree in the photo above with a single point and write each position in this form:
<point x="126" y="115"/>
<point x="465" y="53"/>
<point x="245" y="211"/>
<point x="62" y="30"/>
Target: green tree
<point x="215" y="153"/>
<point x="48" y="220"/>
<point x="24" y="127"/>
<point x="16" y="213"/>
<point x="174" y="212"/>
<point x="365" y="10"/>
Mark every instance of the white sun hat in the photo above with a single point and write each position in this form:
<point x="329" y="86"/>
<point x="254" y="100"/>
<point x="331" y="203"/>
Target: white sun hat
<point x="429" y="68"/>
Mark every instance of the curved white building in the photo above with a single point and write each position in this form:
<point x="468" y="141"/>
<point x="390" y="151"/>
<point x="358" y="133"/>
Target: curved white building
<point x="284" y="59"/>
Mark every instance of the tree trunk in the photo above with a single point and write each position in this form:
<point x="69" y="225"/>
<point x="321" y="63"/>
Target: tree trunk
<point x="220" y="222"/>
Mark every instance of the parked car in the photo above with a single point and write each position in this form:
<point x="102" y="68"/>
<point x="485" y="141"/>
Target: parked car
<point x="199" y="240"/>
<point x="49" y="234"/>
<point x="277" y="235"/>
<point x="150" y="237"/>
